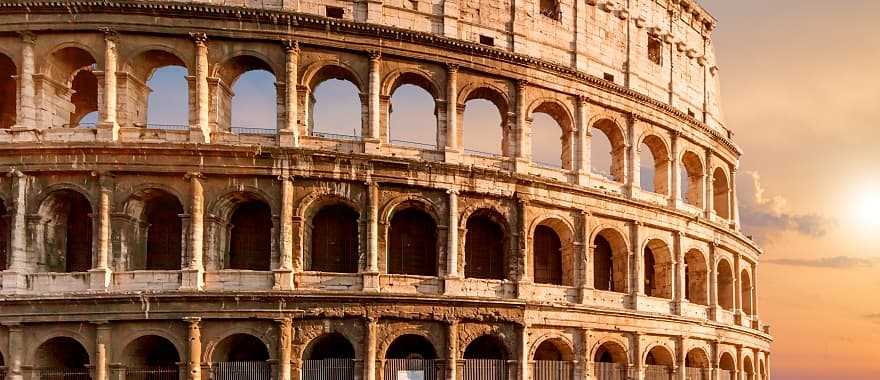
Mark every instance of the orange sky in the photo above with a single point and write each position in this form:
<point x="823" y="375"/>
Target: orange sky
<point x="801" y="88"/>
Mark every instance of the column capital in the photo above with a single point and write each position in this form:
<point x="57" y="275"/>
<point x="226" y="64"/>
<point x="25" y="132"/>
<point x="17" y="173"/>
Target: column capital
<point x="193" y="175"/>
<point x="521" y="84"/>
<point x="285" y="177"/>
<point x="451" y="68"/>
<point x="192" y="321"/>
<point x="452" y="191"/>
<point x="375" y="55"/>
<point x="28" y="37"/>
<point x="582" y="100"/>
<point x="199" y="38"/>
<point x="291" y="46"/>
<point x="15" y="173"/>
<point x="105" y="179"/>
<point x="109" y="34"/>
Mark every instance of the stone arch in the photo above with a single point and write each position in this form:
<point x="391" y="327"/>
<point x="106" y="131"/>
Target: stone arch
<point x="658" y="265"/>
<point x="746" y="292"/>
<point x="486" y="244"/>
<point x="70" y="68"/>
<point x="65" y="350"/>
<point x="245" y="226"/>
<point x="154" y="221"/>
<point x="133" y="336"/>
<point x="332" y="235"/>
<point x="423" y="133"/>
<point x="659" y="151"/>
<point x="748" y="368"/>
<point x="414" y="76"/>
<point x="610" y="351"/>
<point x="725" y="284"/>
<point x="239" y="346"/>
<point x="339" y="345"/>
<point x="721" y="193"/>
<point x="727" y="362"/>
<point x="659" y="355"/>
<point x="610" y="254"/>
<point x="411" y="219"/>
<point x="232" y="68"/>
<point x="616" y="136"/>
<point x="560" y="113"/>
<point x="144" y="61"/>
<point x="564" y="233"/>
<point x="696" y="277"/>
<point x="487" y="346"/>
<point x="419" y="344"/>
<point x="502" y="103"/>
<point x="64" y="227"/>
<point x="224" y="205"/>
<point x="697" y="358"/>
<point x="319" y="72"/>
<point x="8" y="85"/>
<point x="150" y="351"/>
<point x="559" y="343"/>
<point x="692" y="178"/>
<point x="65" y="59"/>
<point x="142" y="64"/>
<point x="762" y="370"/>
<point x="233" y="65"/>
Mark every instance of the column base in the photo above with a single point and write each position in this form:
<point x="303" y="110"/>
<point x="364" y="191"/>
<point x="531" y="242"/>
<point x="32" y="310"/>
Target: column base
<point x="371" y="281"/>
<point x="107" y="131"/>
<point x="584" y="295"/>
<point x="100" y="279"/>
<point x="197" y="135"/>
<point x="524" y="290"/>
<point x="452" y="156"/>
<point x="13" y="282"/>
<point x="288" y="139"/>
<point x="192" y="279"/>
<point x="24" y="134"/>
<point x="521" y="165"/>
<point x="284" y="279"/>
<point x="583" y="179"/>
<point x="452" y="286"/>
<point x="372" y="146"/>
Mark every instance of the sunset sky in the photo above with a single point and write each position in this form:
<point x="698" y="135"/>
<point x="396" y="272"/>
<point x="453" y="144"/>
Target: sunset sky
<point x="801" y="90"/>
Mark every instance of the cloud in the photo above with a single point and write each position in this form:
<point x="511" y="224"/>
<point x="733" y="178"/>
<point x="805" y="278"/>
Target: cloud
<point x="838" y="262"/>
<point x="764" y="216"/>
<point x="875" y="317"/>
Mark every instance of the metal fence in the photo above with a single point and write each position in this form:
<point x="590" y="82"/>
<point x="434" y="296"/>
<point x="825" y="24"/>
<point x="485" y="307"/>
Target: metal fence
<point x="610" y="371"/>
<point x="242" y="371"/>
<point x="328" y="369"/>
<point x="658" y="372"/>
<point x="63" y="374"/>
<point x="480" y="153"/>
<point x="725" y="375"/>
<point x="413" y="144"/>
<point x="484" y="369"/>
<point x="254" y="131"/>
<point x="153" y="373"/>
<point x="414" y="369"/>
<point x="169" y="127"/>
<point x="335" y="136"/>
<point x="552" y="370"/>
<point x="697" y="373"/>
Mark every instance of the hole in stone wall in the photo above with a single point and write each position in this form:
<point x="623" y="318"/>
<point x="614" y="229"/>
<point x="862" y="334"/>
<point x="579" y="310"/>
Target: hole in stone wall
<point x="335" y="12"/>
<point x="609" y="77"/>
<point x="655" y="50"/>
<point x="486" y="40"/>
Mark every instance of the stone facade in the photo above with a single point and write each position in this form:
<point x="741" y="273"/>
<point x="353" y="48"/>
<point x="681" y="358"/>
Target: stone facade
<point x="637" y="282"/>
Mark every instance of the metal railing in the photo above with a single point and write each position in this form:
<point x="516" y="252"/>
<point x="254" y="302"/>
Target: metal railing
<point x="658" y="372"/>
<point x="328" y="369"/>
<point x="424" y="369"/>
<point x="547" y="165"/>
<point x="254" y="131"/>
<point x="335" y="136"/>
<point x="153" y="373"/>
<point x="413" y="144"/>
<point x="484" y="369"/>
<point x="610" y="371"/>
<point x="242" y="371"/>
<point x="697" y="373"/>
<point x="63" y="374"/>
<point x="552" y="370"/>
<point x="168" y="127"/>
<point x="483" y="154"/>
<point x="81" y="125"/>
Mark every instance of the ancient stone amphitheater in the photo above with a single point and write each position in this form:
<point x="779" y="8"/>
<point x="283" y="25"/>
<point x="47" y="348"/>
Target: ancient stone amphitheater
<point x="132" y="250"/>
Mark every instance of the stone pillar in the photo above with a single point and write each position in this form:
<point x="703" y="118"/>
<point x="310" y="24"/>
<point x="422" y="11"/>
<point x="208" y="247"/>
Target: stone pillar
<point x="584" y="138"/>
<point x="637" y="265"/>
<point x="713" y="282"/>
<point x="524" y="278"/>
<point x="194" y="349"/>
<point x="289" y="133"/>
<point x="371" y="275"/>
<point x="709" y="192"/>
<point x="372" y="328"/>
<point x="373" y="100"/>
<point x="585" y="258"/>
<point x="100" y="275"/>
<point x="27" y="110"/>
<point x="192" y="276"/>
<point x="523" y="356"/>
<point x="737" y="288"/>
<point x="680" y="273"/>
<point x="13" y="279"/>
<point x="453" y="143"/>
<point x="636" y="357"/>
<point x="675" y="166"/>
<point x="521" y="137"/>
<point x="201" y="132"/>
<point x="16" y="352"/>
<point x="284" y="274"/>
<point x="452" y="350"/>
<point x="102" y="342"/>
<point x="285" y="352"/>
<point x="586" y="362"/>
<point x="716" y="359"/>
<point x="633" y="176"/>
<point x="452" y="235"/>
<point x="740" y="365"/>
<point x="734" y="200"/>
<point x="681" y="371"/>
<point x="108" y="129"/>
<point x="754" y="291"/>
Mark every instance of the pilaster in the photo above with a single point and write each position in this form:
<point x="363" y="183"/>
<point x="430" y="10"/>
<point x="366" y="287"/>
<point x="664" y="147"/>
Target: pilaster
<point x="284" y="274"/>
<point x="201" y="131"/>
<point x="108" y="128"/>
<point x="289" y="133"/>
<point x="193" y="274"/>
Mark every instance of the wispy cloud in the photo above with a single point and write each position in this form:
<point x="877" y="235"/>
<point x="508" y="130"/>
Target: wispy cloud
<point x="875" y="317"/>
<point x="766" y="215"/>
<point x="838" y="262"/>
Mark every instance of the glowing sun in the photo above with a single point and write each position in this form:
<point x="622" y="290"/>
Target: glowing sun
<point x="867" y="209"/>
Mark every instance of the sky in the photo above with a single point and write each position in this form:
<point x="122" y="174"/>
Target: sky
<point x="801" y="91"/>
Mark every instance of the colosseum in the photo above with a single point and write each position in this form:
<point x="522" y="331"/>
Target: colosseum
<point x="206" y="250"/>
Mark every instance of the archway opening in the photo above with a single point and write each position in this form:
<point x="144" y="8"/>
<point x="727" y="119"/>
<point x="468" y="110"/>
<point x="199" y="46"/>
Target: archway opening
<point x="412" y="113"/>
<point x="658" y="269"/>
<point x="73" y="68"/>
<point x="412" y="246"/>
<point x="485" y="358"/>
<point x="157" y="217"/>
<point x="329" y="357"/>
<point x="721" y="194"/>
<point x="241" y="356"/>
<point x="250" y="242"/>
<point x="4" y="238"/>
<point x="608" y="151"/>
<point x="336" y="107"/>
<point x="334" y="239"/>
<point x="610" y="262"/>
<point x="484" y="247"/>
<point x="151" y="357"/>
<point x="748" y="369"/>
<point x="692" y="179"/>
<point x="547" y="251"/>
<point x="164" y="102"/>
<point x="553" y="360"/>
<point x="551" y="136"/>
<point x="654" y="165"/>
<point x="65" y="229"/>
<point x="8" y="85"/>
<point x="484" y="124"/>
<point x="727" y="366"/>
<point x="610" y="361"/>
<point x="251" y="107"/>
<point x="725" y="286"/>
<point x="697" y="365"/>
<point x="411" y="347"/>
<point x="62" y="357"/>
<point x="413" y="355"/>
<point x="696" y="278"/>
<point x="84" y="99"/>
<point x="746" y="292"/>
<point x="659" y="364"/>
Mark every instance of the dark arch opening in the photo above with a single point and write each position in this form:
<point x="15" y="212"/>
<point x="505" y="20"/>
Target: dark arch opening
<point x="547" y="250"/>
<point x="696" y="278"/>
<point x="63" y="353"/>
<point x="413" y="243"/>
<point x="484" y="248"/>
<point x="329" y="357"/>
<point x="692" y="179"/>
<point x="548" y="351"/>
<point x="725" y="285"/>
<point x="696" y="358"/>
<point x="9" y="86"/>
<point x="152" y="351"/>
<point x="486" y="347"/>
<point x="411" y="347"/>
<point x="746" y="292"/>
<point x="727" y="363"/>
<point x="331" y="346"/>
<point x="164" y="233"/>
<point x="611" y="353"/>
<point x="334" y="234"/>
<point x="4" y="238"/>
<point x="66" y="223"/>
<point x="602" y="265"/>
<point x="250" y="242"/>
<point x="241" y="348"/>
<point x="84" y="98"/>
